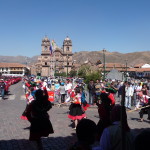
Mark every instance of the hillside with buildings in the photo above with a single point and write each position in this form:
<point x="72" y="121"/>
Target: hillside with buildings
<point x="92" y="56"/>
<point x="113" y="57"/>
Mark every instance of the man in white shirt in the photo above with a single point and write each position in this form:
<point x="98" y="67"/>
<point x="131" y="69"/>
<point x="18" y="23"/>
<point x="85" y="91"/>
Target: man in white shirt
<point x="68" y="88"/>
<point x="129" y="93"/>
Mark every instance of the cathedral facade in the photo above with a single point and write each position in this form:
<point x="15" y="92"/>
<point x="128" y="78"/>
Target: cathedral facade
<point x="54" y="59"/>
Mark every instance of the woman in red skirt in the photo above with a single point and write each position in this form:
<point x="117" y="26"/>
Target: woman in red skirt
<point x="76" y="112"/>
<point x="38" y="117"/>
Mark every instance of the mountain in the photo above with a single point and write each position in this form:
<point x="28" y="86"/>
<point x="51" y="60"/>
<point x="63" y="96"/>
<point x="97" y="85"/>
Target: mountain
<point x="93" y="56"/>
<point x="19" y="59"/>
<point x="113" y="57"/>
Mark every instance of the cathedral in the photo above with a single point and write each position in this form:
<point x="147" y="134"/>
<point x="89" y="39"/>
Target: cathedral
<point x="54" y="59"/>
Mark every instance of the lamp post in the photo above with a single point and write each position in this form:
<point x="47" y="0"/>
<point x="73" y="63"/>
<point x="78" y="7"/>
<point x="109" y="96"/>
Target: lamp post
<point x="104" y="63"/>
<point x="126" y="70"/>
<point x="73" y="67"/>
<point x="67" y="64"/>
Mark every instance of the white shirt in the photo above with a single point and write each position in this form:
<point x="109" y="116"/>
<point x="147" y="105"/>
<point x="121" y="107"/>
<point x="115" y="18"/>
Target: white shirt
<point x="129" y="91"/>
<point x="68" y="86"/>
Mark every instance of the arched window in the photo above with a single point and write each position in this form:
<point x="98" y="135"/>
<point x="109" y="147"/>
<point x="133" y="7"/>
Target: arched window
<point x="45" y="63"/>
<point x="45" y="48"/>
<point x="67" y="48"/>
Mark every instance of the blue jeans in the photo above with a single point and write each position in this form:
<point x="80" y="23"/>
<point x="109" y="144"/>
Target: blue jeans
<point x="128" y="101"/>
<point x="2" y="91"/>
<point x="91" y="98"/>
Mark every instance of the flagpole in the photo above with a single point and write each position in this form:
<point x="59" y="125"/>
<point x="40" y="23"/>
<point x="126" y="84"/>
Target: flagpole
<point x="54" y="64"/>
<point x="50" y="66"/>
<point x="52" y="57"/>
<point x="50" y="48"/>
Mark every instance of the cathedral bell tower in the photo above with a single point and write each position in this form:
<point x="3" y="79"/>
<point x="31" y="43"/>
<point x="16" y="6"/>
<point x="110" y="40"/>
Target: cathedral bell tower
<point x="67" y="52"/>
<point x="67" y="45"/>
<point x="45" y="57"/>
<point x="45" y="45"/>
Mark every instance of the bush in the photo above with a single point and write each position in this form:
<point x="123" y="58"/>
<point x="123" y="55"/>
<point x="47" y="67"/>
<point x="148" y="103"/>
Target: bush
<point x="63" y="74"/>
<point x="93" y="76"/>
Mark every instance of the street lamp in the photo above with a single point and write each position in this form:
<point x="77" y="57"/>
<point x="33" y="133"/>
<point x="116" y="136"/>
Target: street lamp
<point x="126" y="70"/>
<point x="104" y="67"/>
<point x="67" y="64"/>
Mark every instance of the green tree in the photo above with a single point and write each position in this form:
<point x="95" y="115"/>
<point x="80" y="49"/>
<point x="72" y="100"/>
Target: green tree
<point x="72" y="73"/>
<point x="63" y="74"/>
<point x="84" y="70"/>
<point x="93" y="76"/>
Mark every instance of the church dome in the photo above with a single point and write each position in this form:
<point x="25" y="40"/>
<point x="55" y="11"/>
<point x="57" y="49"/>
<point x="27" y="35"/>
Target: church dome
<point x="45" y="39"/>
<point x="67" y="41"/>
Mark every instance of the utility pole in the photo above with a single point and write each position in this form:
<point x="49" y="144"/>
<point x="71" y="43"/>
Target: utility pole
<point x="67" y="64"/>
<point x="126" y="70"/>
<point x="104" y="65"/>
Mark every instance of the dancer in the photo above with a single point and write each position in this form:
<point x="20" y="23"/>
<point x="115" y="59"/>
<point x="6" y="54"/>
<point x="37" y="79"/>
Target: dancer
<point x="145" y="103"/>
<point x="29" y="97"/>
<point x="104" y="108"/>
<point x="38" y="116"/>
<point x="76" y="112"/>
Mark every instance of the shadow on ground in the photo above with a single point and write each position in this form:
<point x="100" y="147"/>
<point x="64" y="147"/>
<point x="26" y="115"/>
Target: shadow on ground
<point x="59" y="143"/>
<point x="50" y="143"/>
<point x="18" y="144"/>
<point x="139" y="120"/>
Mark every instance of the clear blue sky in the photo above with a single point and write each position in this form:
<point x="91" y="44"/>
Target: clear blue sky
<point x="116" y="25"/>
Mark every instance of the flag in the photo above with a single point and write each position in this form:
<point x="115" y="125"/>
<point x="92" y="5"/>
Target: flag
<point x="53" y="43"/>
<point x="51" y="47"/>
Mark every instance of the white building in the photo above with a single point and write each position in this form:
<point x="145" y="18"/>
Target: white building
<point x="14" y="69"/>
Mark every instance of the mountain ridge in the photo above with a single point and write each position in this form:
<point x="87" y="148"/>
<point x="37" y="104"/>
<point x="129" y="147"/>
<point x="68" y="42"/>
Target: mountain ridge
<point x="132" y="58"/>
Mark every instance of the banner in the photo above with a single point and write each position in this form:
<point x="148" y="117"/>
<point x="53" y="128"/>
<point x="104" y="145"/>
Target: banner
<point x="51" y="96"/>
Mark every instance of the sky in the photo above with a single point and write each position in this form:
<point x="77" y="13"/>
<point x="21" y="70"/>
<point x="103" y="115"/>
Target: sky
<point x="92" y="25"/>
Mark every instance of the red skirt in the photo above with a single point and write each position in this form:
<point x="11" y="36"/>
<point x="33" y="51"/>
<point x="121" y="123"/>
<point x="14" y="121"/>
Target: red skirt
<point x="76" y="112"/>
<point x="85" y="106"/>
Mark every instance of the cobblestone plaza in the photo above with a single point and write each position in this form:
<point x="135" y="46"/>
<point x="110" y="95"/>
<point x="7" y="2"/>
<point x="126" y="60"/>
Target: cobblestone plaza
<point x="14" y="132"/>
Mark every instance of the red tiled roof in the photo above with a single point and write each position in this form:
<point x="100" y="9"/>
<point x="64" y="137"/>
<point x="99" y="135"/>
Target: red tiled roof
<point x="143" y="70"/>
<point x="139" y="69"/>
<point x="112" y="65"/>
<point x="139" y="65"/>
<point x="2" y="65"/>
<point x="132" y="69"/>
<point x="128" y="69"/>
<point x="76" y="65"/>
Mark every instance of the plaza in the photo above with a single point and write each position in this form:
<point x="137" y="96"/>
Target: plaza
<point x="14" y="132"/>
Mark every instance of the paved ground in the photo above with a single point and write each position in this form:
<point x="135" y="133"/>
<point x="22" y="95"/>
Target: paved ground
<point x="14" y="132"/>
